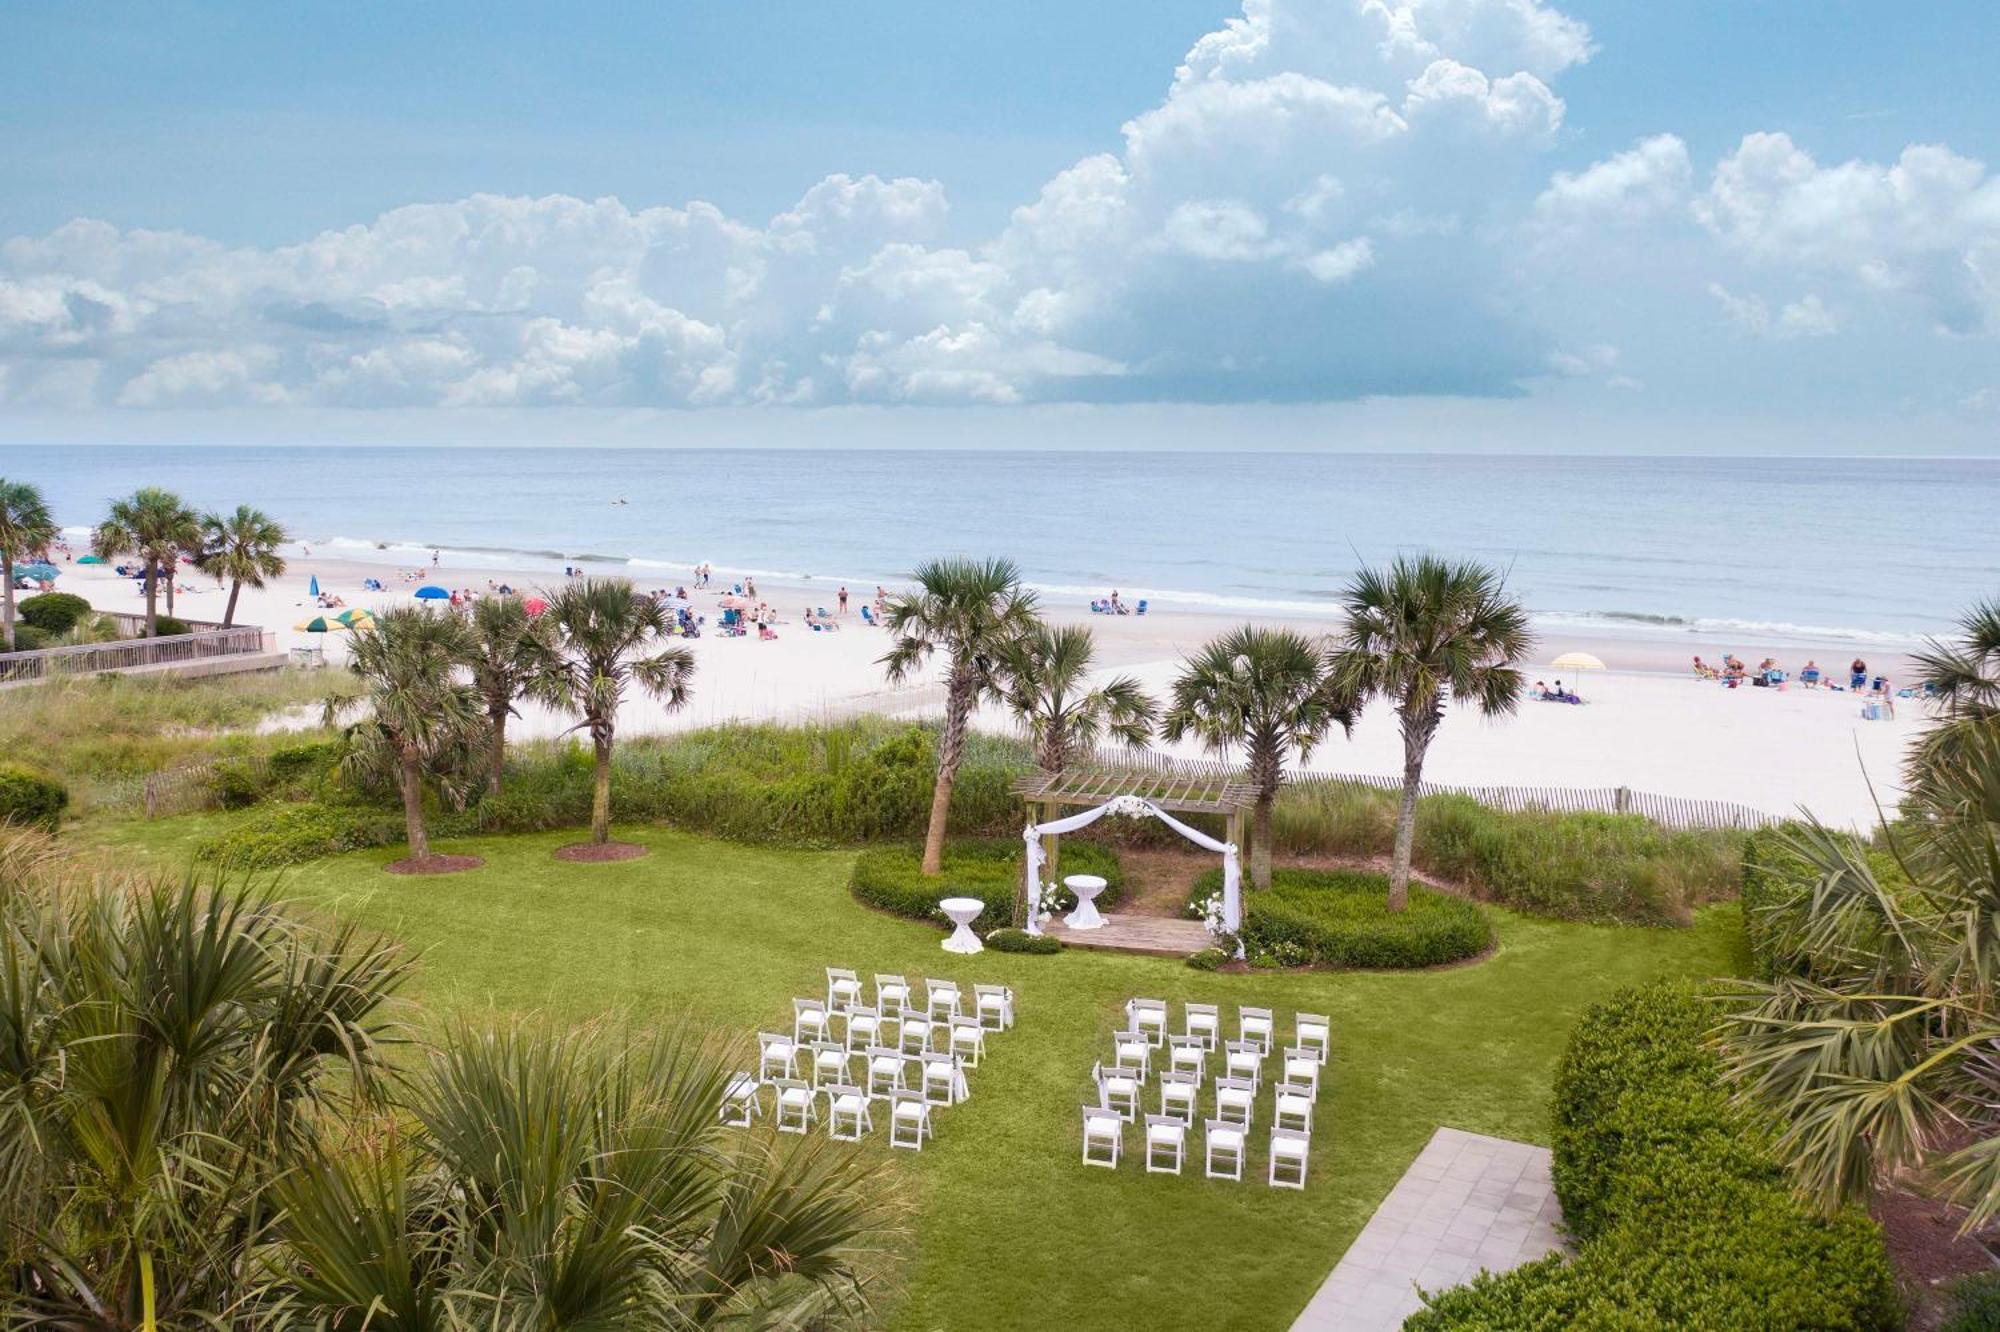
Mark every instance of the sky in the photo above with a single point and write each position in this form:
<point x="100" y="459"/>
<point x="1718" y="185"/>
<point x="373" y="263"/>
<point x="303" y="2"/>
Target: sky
<point x="1717" y="225"/>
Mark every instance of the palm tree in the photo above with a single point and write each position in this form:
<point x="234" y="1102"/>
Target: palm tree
<point x="558" y="1180"/>
<point x="1262" y="691"/>
<point x="1962" y="677"/>
<point x="172" y="1045"/>
<point x="1421" y="633"/>
<point x="511" y="651"/>
<point x="972" y="611"/>
<point x="26" y="528"/>
<point x="156" y="526"/>
<point x="607" y="640"/>
<point x="423" y="717"/>
<point x="240" y="549"/>
<point x="1047" y="686"/>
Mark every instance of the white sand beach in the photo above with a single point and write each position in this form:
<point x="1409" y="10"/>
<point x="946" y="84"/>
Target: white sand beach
<point x="1646" y="723"/>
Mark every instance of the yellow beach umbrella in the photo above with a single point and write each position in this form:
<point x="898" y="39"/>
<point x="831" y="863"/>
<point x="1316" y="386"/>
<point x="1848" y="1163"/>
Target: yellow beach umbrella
<point x="355" y="618"/>
<point x="319" y="624"/>
<point x="1577" y="661"/>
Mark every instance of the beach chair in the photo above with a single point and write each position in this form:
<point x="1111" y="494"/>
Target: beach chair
<point x="1141" y="610"/>
<point x="866" y="616"/>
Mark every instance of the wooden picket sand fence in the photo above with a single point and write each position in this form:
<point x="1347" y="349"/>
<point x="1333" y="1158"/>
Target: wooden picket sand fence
<point x="1667" y="811"/>
<point x="186" y="789"/>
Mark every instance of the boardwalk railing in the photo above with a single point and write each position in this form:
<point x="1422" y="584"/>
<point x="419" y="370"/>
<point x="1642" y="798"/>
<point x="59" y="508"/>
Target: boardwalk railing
<point x="130" y="654"/>
<point x="1668" y="811"/>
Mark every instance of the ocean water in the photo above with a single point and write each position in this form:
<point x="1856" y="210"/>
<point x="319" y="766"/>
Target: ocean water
<point x="1872" y="550"/>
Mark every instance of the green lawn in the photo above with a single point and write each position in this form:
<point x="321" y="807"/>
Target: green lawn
<point x="1005" y="1228"/>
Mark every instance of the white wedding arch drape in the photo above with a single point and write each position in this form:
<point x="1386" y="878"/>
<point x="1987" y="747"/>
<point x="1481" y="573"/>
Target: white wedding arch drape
<point x="1135" y="806"/>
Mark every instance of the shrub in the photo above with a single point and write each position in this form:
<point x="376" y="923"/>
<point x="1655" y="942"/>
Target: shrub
<point x="166" y="626"/>
<point x="1340" y="918"/>
<point x="294" y="834"/>
<point x="1208" y="959"/>
<point x="1010" y="940"/>
<point x="238" y="784"/>
<point x="27" y="638"/>
<point x="53" y="612"/>
<point x="1681" y="1214"/>
<point x="30" y="798"/>
<point x="891" y="877"/>
<point x="1975" y="1304"/>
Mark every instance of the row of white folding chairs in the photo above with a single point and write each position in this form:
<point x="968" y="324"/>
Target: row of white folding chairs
<point x="849" y="1112"/>
<point x="993" y="1005"/>
<point x="1132" y="1053"/>
<point x="779" y="1055"/>
<point x="1203" y="1023"/>
<point x="1226" y="1145"/>
<point x="883" y="1069"/>
<point x="1232" y="1100"/>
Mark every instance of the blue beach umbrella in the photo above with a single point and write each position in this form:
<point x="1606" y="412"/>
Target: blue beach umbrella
<point x="38" y="572"/>
<point x="313" y="591"/>
<point x="432" y="593"/>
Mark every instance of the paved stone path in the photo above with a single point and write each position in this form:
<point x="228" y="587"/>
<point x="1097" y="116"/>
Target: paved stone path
<point x="1466" y="1202"/>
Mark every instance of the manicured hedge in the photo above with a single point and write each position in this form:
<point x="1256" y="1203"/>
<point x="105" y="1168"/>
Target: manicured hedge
<point x="30" y="798"/>
<point x="1681" y="1214"/>
<point x="294" y="834"/>
<point x="167" y="626"/>
<point x="1340" y="918"/>
<point x="53" y="612"/>
<point x="1011" y="940"/>
<point x="989" y="869"/>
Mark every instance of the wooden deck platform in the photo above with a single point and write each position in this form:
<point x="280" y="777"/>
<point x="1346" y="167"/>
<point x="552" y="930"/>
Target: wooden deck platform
<point x="1161" y="936"/>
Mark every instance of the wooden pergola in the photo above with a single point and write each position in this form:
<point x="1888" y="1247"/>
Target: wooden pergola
<point x="1177" y="788"/>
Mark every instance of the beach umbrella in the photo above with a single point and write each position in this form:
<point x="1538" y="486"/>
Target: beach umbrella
<point x="355" y="618"/>
<point x="38" y="572"/>
<point x="91" y="559"/>
<point x="431" y="592"/>
<point x="319" y="624"/>
<point x="313" y="589"/>
<point x="1577" y="661"/>
<point x="534" y="605"/>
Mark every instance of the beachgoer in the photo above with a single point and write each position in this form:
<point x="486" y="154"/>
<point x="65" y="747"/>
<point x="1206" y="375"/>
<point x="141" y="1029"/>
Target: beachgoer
<point x="1857" y="674"/>
<point x="843" y="598"/>
<point x="434" y="559"/>
<point x="1541" y="690"/>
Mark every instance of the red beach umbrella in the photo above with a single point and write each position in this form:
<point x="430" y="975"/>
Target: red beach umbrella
<point x="535" y="605"/>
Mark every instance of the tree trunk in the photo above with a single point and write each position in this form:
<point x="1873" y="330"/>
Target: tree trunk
<point x="951" y="748"/>
<point x="1260" y="840"/>
<point x="170" y="588"/>
<point x="7" y="592"/>
<point x="600" y="800"/>
<point x="497" y="717"/>
<point x="413" y="805"/>
<point x="152" y="598"/>
<point x="229" y="611"/>
<point x="1417" y="730"/>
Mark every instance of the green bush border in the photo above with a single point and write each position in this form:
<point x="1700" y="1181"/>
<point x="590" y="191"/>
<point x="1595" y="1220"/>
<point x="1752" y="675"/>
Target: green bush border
<point x="31" y="798"/>
<point x="986" y="868"/>
<point x="1340" y="918"/>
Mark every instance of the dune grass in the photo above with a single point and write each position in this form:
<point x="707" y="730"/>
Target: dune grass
<point x="1004" y="1228"/>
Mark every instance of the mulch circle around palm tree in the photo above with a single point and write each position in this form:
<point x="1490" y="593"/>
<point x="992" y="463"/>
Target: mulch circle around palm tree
<point x="599" y="852"/>
<point x="433" y="864"/>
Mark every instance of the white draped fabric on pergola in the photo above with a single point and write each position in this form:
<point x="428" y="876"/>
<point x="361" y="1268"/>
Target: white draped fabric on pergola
<point x="1135" y="806"/>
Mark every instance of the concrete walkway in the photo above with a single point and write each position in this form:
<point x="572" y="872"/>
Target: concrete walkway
<point x="1466" y="1202"/>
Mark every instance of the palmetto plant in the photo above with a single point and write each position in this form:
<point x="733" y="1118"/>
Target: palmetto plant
<point x="559" y="1180"/>
<point x="240" y="549"/>
<point x="166" y="1047"/>
<point x="1049" y="690"/>
<point x="157" y="527"/>
<point x="1261" y="692"/>
<point x="1421" y="633"/>
<point x="607" y="640"/>
<point x="26" y="527"/>
<point x="1962" y="675"/>
<point x="511" y="650"/>
<point x="972" y="612"/>
<point x="424" y="719"/>
<point x="1878" y="1043"/>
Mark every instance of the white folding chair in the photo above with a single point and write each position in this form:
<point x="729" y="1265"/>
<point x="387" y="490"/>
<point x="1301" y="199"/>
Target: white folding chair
<point x="1117" y="1091"/>
<point x="941" y="1078"/>
<point x="809" y="1021"/>
<point x="1103" y="1137"/>
<point x="864" y="1027"/>
<point x="915" y="1035"/>
<point x="1131" y="1051"/>
<point x="1185" y="1054"/>
<point x="1313" y="1031"/>
<point x="909" y="1120"/>
<point x="942" y="999"/>
<point x="1148" y="1017"/>
<point x="1235" y="1100"/>
<point x="843" y="989"/>
<point x="1166" y="1144"/>
<point x="885" y="1071"/>
<point x="830" y="1063"/>
<point x="1244" y="1059"/>
<point x="1294" y="1108"/>
<point x="776" y="1053"/>
<point x="1178" y="1092"/>
<point x="1300" y="1065"/>
<point x="968" y="1040"/>
<point x="1255" y="1024"/>
<point x="847" y="1116"/>
<point x="1289" y="1150"/>
<point x="1223" y="1153"/>
<point x="1204" y="1022"/>
<point x="995" y="1006"/>
<point x="892" y="995"/>
<point x="739" y="1101"/>
<point x="797" y="1107"/>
